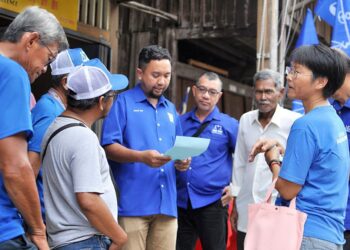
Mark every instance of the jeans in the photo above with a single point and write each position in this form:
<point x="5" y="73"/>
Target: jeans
<point x="209" y="223"/>
<point x="96" y="242"/>
<point x="20" y="242"/>
<point x="309" y="243"/>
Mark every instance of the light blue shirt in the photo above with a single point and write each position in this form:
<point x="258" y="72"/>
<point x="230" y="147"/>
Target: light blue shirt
<point x="43" y="114"/>
<point x="211" y="171"/>
<point x="136" y="124"/>
<point x="317" y="158"/>
<point x="15" y="118"/>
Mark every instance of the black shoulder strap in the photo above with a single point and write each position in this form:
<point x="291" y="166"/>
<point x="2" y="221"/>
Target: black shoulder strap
<point x="201" y="128"/>
<point x="56" y="132"/>
<point x="69" y="126"/>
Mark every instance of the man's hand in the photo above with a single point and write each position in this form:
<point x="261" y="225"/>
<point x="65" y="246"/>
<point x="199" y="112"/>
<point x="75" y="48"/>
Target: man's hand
<point x="272" y="148"/>
<point x="234" y="217"/>
<point x="154" y="159"/>
<point x="226" y="197"/>
<point x="182" y="165"/>
<point x="38" y="237"/>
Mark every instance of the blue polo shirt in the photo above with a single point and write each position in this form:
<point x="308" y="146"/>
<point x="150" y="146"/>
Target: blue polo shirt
<point x="136" y="124"/>
<point x="15" y="118"/>
<point x="317" y="158"/>
<point x="43" y="114"/>
<point x="344" y="114"/>
<point x="211" y="171"/>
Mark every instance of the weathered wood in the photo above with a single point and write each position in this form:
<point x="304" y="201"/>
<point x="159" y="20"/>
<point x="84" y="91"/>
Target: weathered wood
<point x="193" y="73"/>
<point x="208" y="67"/>
<point x="147" y="9"/>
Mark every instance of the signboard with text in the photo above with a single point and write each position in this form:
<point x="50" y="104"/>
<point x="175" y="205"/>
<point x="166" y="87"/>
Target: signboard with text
<point x="66" y="11"/>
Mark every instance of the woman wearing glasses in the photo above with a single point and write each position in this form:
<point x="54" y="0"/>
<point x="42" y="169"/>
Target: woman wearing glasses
<point x="315" y="167"/>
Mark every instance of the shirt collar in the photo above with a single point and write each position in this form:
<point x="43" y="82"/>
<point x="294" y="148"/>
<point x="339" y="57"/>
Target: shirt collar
<point x="139" y="96"/>
<point x="214" y="115"/>
<point x="276" y="118"/>
<point x="337" y="105"/>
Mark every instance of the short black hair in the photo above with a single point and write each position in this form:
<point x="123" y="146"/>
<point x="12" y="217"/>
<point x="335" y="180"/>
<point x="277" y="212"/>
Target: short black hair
<point x="56" y="79"/>
<point x="85" y="104"/>
<point x="152" y="52"/>
<point x="323" y="62"/>
<point x="345" y="57"/>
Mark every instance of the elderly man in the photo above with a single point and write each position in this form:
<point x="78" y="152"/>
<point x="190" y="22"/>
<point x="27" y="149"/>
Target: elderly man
<point x="29" y="44"/>
<point x="251" y="179"/>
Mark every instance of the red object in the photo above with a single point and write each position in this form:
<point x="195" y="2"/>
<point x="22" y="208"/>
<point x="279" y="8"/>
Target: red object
<point x="231" y="237"/>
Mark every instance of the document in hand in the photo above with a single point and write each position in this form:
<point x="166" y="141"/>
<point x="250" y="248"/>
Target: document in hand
<point x="186" y="146"/>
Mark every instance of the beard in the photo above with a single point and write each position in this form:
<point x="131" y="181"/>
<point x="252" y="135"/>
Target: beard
<point x="155" y="94"/>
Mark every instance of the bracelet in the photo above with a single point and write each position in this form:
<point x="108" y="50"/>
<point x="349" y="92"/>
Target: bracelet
<point x="274" y="161"/>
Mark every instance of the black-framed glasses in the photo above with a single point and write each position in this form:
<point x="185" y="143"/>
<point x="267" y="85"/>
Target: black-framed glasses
<point x="203" y="90"/>
<point x="294" y="73"/>
<point x="52" y="56"/>
<point x="112" y="94"/>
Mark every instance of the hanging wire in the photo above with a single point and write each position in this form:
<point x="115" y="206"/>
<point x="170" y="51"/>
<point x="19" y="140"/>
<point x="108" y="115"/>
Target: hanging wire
<point x="284" y="20"/>
<point x="295" y="30"/>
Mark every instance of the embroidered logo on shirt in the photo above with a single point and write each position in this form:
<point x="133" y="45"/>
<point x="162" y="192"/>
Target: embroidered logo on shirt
<point x="138" y="110"/>
<point x="171" y="117"/>
<point x="342" y="137"/>
<point x="347" y="127"/>
<point x="217" y="130"/>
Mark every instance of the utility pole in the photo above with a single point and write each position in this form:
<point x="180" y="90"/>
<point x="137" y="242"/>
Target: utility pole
<point x="267" y="35"/>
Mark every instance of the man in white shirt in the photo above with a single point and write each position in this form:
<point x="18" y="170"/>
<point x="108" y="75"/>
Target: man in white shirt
<point x="251" y="179"/>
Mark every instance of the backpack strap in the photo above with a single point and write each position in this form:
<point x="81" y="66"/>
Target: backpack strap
<point x="56" y="132"/>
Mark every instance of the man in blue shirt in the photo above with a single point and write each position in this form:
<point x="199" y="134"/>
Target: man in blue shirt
<point x="202" y="212"/>
<point x="140" y="127"/>
<point x="50" y="106"/>
<point x="28" y="45"/>
<point x="341" y="103"/>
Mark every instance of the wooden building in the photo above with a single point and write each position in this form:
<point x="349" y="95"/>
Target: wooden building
<point x="229" y="37"/>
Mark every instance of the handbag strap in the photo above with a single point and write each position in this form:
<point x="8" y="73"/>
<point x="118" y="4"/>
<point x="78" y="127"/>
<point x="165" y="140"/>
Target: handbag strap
<point x="201" y="128"/>
<point x="268" y="196"/>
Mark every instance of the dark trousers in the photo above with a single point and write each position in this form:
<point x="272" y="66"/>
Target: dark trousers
<point x="209" y="223"/>
<point x="240" y="240"/>
<point x="347" y="238"/>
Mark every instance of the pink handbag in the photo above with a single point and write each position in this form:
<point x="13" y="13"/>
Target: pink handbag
<point x="273" y="227"/>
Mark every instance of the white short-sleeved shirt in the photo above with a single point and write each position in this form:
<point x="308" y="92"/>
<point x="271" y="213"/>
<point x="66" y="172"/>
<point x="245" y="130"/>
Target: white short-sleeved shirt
<point x="251" y="179"/>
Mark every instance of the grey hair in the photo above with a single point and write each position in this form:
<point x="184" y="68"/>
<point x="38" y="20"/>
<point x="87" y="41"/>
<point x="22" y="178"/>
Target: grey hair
<point x="267" y="74"/>
<point x="211" y="76"/>
<point x="35" y="19"/>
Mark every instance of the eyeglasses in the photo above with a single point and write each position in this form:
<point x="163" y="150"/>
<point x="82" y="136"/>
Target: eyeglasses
<point x="52" y="56"/>
<point x="112" y="94"/>
<point x="291" y="71"/>
<point x="204" y="90"/>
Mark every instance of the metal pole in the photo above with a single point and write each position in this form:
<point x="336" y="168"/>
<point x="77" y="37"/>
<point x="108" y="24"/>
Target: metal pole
<point x="274" y="35"/>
